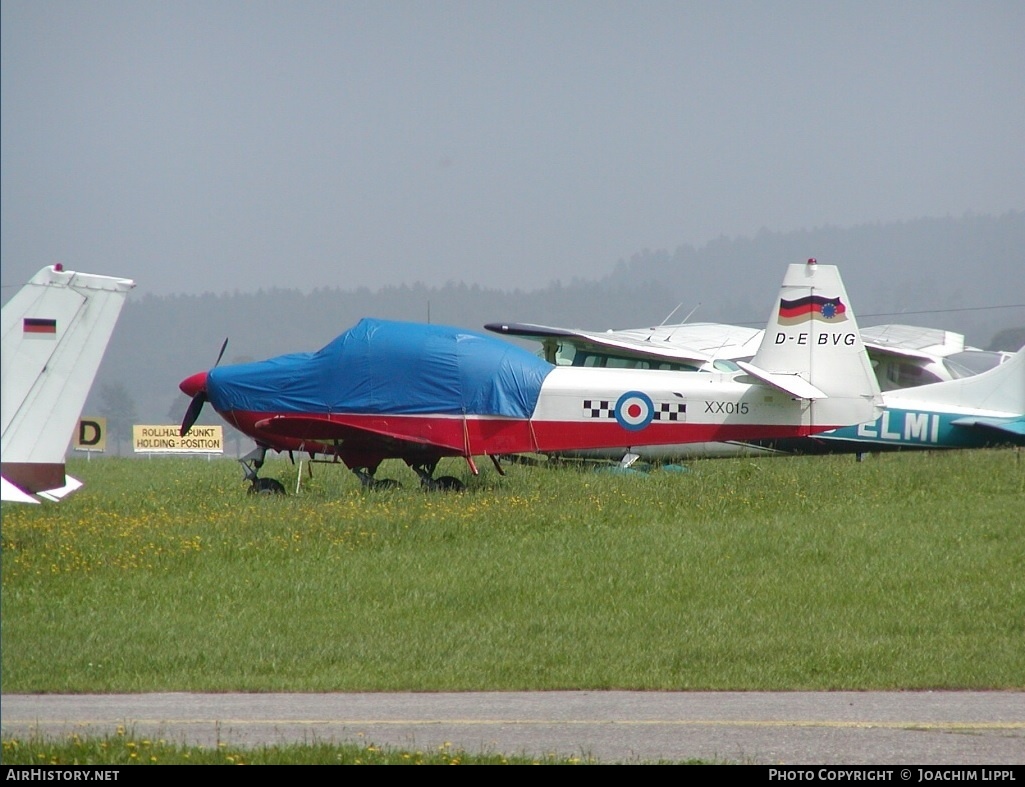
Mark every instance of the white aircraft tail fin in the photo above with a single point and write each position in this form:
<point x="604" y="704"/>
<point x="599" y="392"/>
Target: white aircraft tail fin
<point x="997" y="390"/>
<point x="54" y="333"/>
<point x="812" y="348"/>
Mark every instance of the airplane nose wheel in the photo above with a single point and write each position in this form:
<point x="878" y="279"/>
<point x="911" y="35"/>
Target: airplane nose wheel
<point x="266" y="486"/>
<point x="251" y="464"/>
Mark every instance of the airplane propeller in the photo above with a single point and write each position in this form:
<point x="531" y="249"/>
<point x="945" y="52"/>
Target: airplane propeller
<point x="199" y="397"/>
<point x="192" y="414"/>
<point x="220" y="355"/>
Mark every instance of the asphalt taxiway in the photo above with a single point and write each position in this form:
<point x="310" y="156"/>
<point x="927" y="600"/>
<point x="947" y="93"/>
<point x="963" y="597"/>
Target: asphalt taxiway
<point x="897" y="728"/>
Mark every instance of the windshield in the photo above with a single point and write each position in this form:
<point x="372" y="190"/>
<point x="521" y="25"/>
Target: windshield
<point x="971" y="362"/>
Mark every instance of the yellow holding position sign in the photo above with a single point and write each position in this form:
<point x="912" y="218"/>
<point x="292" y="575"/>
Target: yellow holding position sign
<point x="167" y="440"/>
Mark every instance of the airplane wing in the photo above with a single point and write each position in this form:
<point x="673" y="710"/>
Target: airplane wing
<point x="696" y="343"/>
<point x="700" y="343"/>
<point x="331" y="429"/>
<point x="912" y="341"/>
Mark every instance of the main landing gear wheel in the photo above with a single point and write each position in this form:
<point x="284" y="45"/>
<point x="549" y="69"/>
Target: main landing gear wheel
<point x="368" y="481"/>
<point x="446" y="483"/>
<point x="266" y="486"/>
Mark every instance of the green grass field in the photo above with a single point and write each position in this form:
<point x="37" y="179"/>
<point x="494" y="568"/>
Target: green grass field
<point x="901" y="572"/>
<point x="124" y="748"/>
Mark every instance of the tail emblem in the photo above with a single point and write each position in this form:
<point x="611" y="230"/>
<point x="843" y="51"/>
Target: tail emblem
<point x="812" y="307"/>
<point x="38" y="328"/>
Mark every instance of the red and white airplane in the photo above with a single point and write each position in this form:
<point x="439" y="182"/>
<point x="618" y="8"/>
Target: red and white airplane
<point x="420" y="392"/>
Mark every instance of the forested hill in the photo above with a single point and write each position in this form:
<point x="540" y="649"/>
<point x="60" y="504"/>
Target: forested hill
<point x="955" y="270"/>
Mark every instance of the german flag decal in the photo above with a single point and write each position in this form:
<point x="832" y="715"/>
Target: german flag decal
<point x="812" y="307"/>
<point x="39" y="328"/>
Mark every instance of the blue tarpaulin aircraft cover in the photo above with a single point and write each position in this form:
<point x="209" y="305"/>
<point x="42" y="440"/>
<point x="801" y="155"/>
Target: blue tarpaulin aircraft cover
<point x="389" y="367"/>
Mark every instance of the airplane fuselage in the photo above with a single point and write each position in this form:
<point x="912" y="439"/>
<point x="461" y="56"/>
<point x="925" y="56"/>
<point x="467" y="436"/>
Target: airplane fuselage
<point x="420" y="392"/>
<point x="902" y="428"/>
<point x="576" y="409"/>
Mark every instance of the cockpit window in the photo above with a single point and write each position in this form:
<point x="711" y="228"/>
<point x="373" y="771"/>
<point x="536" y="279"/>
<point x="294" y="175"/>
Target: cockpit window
<point x="564" y="354"/>
<point x="895" y="374"/>
<point x="611" y="361"/>
<point x="971" y="362"/>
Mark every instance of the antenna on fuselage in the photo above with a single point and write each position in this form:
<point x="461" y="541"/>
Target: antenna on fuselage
<point x="674" y="311"/>
<point x="689" y="315"/>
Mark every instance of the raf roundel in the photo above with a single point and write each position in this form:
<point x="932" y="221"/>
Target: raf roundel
<point x="634" y="410"/>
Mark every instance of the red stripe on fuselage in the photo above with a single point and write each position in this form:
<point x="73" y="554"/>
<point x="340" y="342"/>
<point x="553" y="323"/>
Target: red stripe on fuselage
<point x="413" y="435"/>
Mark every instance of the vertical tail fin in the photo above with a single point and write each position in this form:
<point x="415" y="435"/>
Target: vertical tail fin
<point x="812" y="348"/>
<point x="54" y="333"/>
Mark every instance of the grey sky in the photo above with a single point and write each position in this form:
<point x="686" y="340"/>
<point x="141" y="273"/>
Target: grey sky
<point x="219" y="145"/>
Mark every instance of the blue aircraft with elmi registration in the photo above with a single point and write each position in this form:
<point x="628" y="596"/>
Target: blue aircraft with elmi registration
<point x="973" y="412"/>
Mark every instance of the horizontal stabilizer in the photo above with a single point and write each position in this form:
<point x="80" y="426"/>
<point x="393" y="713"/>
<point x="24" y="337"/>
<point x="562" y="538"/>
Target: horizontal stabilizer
<point x="788" y="383"/>
<point x="1014" y="426"/>
<point x="12" y="494"/>
<point x="60" y="493"/>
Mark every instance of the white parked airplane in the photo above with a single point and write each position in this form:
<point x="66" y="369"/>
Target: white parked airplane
<point x="907" y="356"/>
<point x="55" y="331"/>
<point x="903" y="356"/>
